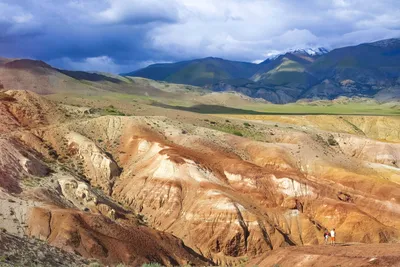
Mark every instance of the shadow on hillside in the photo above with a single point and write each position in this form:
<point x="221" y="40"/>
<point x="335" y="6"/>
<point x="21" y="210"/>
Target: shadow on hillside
<point x="215" y="109"/>
<point x="209" y="109"/>
<point x="93" y="77"/>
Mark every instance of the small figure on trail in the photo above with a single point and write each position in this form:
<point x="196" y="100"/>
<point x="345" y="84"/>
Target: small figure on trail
<point x="326" y="236"/>
<point x="333" y="235"/>
<point x="111" y="214"/>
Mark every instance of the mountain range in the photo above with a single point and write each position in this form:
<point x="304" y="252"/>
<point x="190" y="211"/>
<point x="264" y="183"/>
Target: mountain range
<point x="365" y="70"/>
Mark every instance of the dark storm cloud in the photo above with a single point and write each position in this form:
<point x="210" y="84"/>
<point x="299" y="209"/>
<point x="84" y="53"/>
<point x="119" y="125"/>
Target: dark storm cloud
<point x="121" y="35"/>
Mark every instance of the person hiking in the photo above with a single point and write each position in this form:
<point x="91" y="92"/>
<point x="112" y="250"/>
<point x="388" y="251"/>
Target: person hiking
<point x="333" y="236"/>
<point x="326" y="236"/>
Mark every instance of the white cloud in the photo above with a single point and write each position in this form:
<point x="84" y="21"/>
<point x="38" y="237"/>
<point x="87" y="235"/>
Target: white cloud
<point x="100" y="63"/>
<point x="245" y="30"/>
<point x="138" y="12"/>
<point x="23" y="18"/>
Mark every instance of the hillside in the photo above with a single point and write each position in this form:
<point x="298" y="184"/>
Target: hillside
<point x="39" y="77"/>
<point x="343" y="255"/>
<point x="197" y="72"/>
<point x="366" y="69"/>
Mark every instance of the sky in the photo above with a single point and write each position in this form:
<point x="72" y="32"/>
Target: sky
<point x="124" y="35"/>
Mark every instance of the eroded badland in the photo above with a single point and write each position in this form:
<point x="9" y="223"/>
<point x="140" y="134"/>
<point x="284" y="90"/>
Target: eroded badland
<point x="183" y="188"/>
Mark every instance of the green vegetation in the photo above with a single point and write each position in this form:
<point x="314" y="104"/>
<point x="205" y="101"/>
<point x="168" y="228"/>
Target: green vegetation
<point x="238" y="130"/>
<point x="111" y="110"/>
<point x="198" y="72"/>
<point x="350" y="108"/>
<point x="237" y="133"/>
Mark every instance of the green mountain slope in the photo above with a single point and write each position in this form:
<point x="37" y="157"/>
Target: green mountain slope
<point x="362" y="70"/>
<point x="198" y="72"/>
<point x="287" y="70"/>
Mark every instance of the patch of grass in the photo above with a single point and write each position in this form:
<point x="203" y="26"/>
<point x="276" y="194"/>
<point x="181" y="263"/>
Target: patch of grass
<point x="3" y="258"/>
<point x="111" y="110"/>
<point x="237" y="133"/>
<point x="350" y="108"/>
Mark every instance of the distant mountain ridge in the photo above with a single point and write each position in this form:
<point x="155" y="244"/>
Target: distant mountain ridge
<point x="365" y="70"/>
<point x="207" y="71"/>
<point x="369" y="70"/>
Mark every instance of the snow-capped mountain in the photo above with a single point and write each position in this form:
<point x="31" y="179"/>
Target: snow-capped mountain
<point x="310" y="51"/>
<point x="304" y="51"/>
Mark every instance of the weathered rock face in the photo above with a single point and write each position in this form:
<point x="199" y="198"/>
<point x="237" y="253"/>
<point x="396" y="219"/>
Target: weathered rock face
<point x="18" y="251"/>
<point x="96" y="236"/>
<point x="16" y="162"/>
<point x="99" y="167"/>
<point x="44" y="204"/>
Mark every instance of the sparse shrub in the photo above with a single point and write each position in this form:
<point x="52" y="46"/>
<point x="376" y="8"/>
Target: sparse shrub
<point x="237" y="133"/>
<point x="332" y="141"/>
<point x="94" y="264"/>
<point x="246" y="124"/>
<point x="53" y="153"/>
<point x="3" y="258"/>
<point x="100" y="140"/>
<point x="154" y="264"/>
<point x="228" y="121"/>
